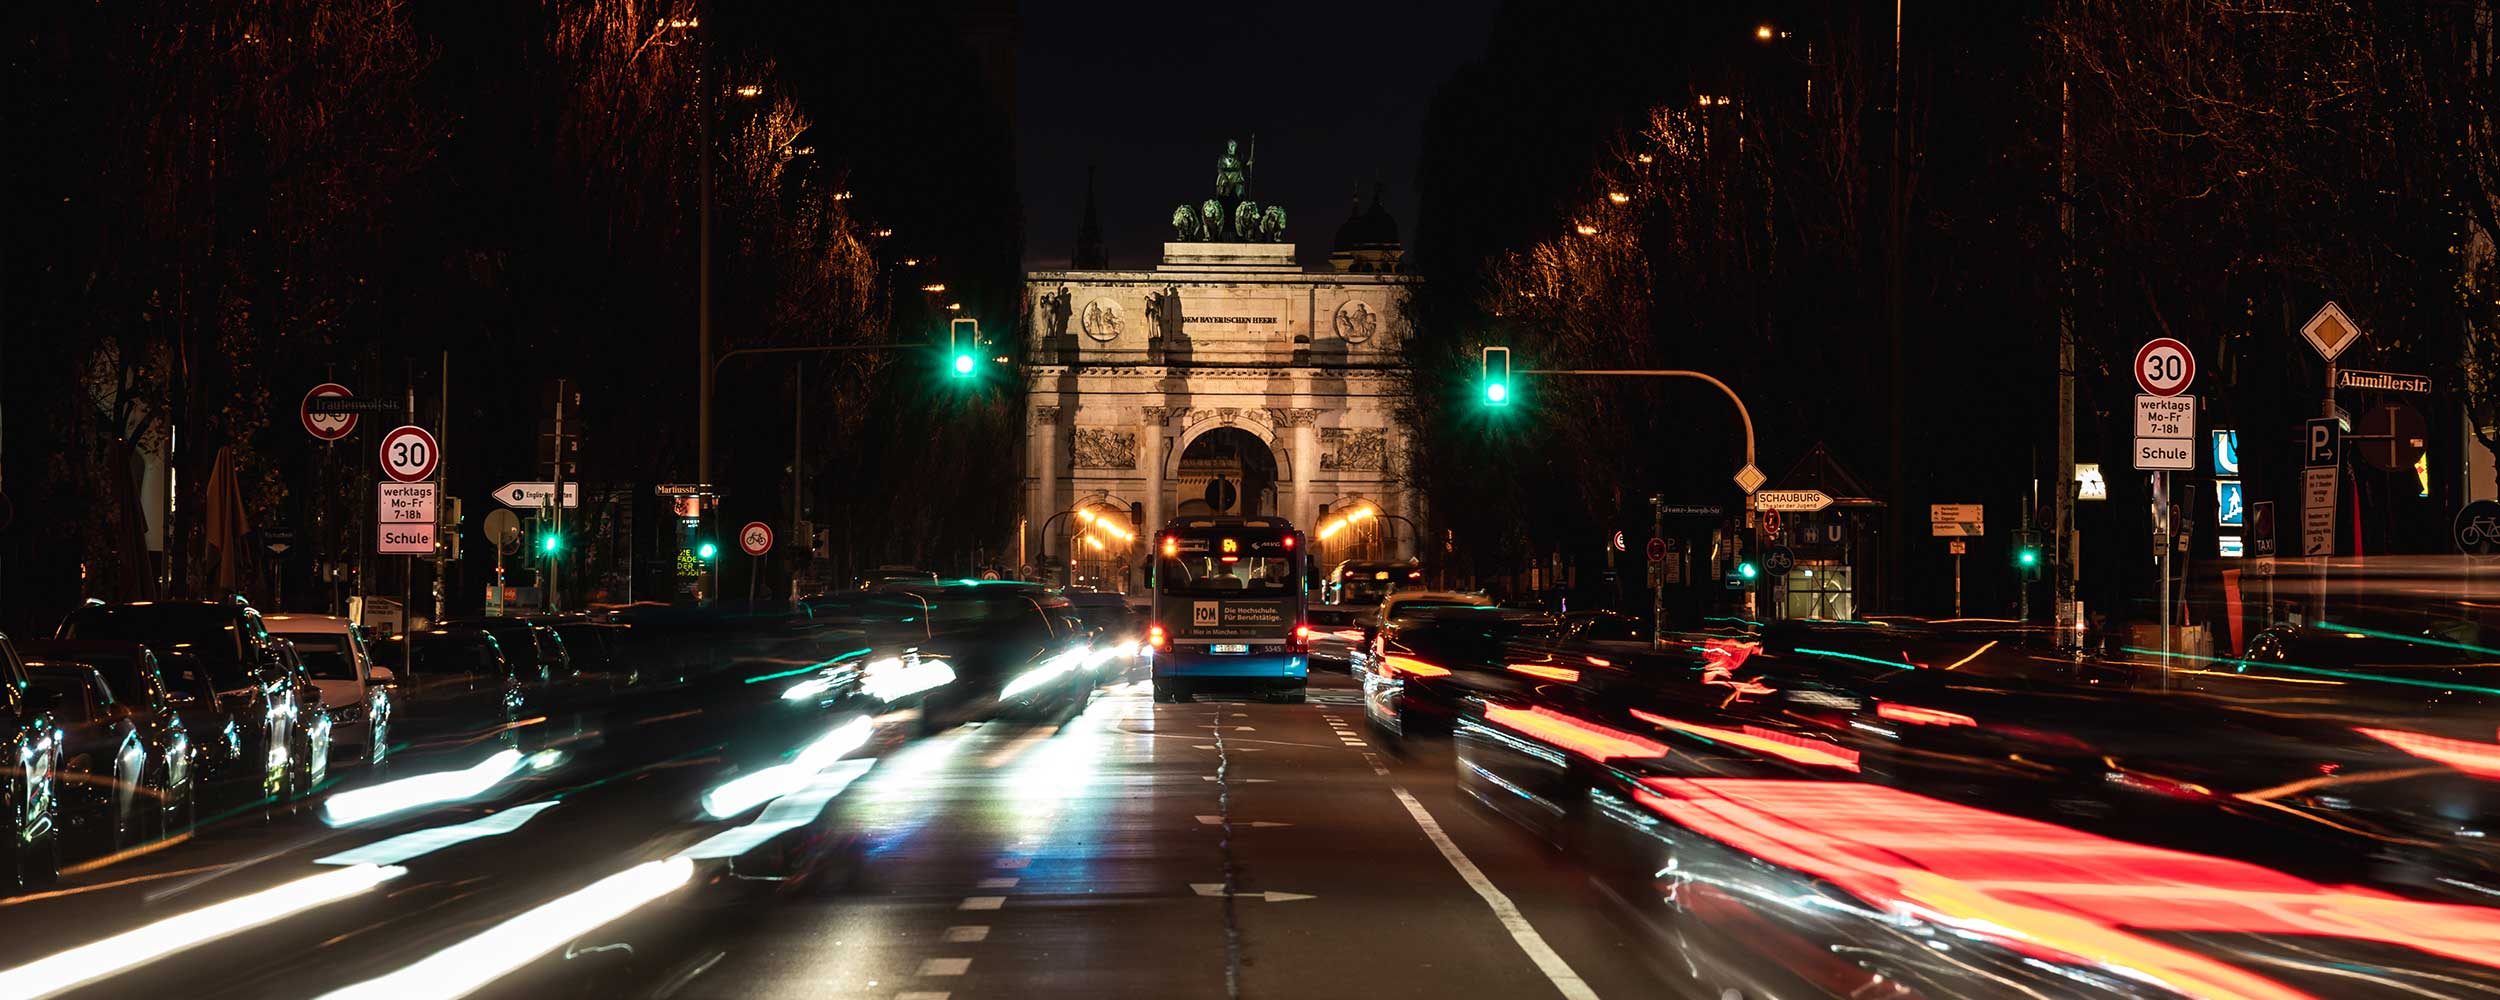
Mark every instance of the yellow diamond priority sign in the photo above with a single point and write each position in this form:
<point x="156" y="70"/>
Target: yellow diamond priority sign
<point x="2330" y="331"/>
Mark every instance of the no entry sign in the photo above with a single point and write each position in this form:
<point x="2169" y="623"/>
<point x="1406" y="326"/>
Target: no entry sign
<point x="409" y="453"/>
<point x="326" y="426"/>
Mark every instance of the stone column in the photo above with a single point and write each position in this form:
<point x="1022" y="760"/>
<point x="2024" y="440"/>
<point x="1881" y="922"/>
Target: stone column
<point x="1046" y="464"/>
<point x="1303" y="438"/>
<point x="1151" y="421"/>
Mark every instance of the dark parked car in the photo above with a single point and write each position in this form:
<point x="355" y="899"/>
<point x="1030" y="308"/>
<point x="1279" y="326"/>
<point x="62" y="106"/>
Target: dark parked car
<point x="534" y="652"/>
<point x="598" y="649"/>
<point x="156" y="712"/>
<point x="113" y="791"/>
<point x="29" y="793"/>
<point x="449" y="681"/>
<point x="222" y="651"/>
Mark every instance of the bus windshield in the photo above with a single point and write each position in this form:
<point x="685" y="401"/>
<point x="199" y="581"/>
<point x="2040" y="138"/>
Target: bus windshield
<point x="1228" y="563"/>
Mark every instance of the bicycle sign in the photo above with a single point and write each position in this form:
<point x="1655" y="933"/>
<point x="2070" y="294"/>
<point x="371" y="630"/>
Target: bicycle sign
<point x="2477" y="528"/>
<point x="409" y="453"/>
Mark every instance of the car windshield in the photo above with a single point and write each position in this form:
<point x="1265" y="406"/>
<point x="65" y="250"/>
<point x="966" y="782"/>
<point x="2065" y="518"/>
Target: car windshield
<point x="70" y="687"/>
<point x="325" y="656"/>
<point x="178" y="634"/>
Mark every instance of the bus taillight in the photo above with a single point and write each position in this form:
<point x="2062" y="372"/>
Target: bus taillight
<point x="1156" y="637"/>
<point x="1301" y="641"/>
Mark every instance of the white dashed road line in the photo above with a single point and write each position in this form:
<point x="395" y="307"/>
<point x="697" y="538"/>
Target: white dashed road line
<point x="967" y="933"/>
<point x="945" y="966"/>
<point x="996" y="883"/>
<point x="983" y="902"/>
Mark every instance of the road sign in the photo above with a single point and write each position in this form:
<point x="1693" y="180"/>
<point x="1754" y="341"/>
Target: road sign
<point x="1657" y="550"/>
<point x="1957" y="547"/>
<point x="531" y="496"/>
<point x="504" y="530"/>
<point x="2261" y="528"/>
<point x="409" y="453"/>
<point x="2226" y="452"/>
<point x="1957" y="520"/>
<point x="1797" y="501"/>
<point x="2391" y="437"/>
<point x="2330" y="331"/>
<point x="2165" y="432"/>
<point x="2355" y="378"/>
<point x="2317" y="511"/>
<point x="1749" y="478"/>
<point x="2230" y="508"/>
<point x="2477" y="528"/>
<point x="689" y="490"/>
<point x="1779" y="560"/>
<point x="1617" y="542"/>
<point x="2163" y="367"/>
<point x="1771" y="524"/>
<point x="2326" y="443"/>
<point x="326" y="426"/>
<point x="756" y="538"/>
<point x="404" y="519"/>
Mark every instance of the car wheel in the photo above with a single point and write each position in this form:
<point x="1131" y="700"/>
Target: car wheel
<point x="39" y="864"/>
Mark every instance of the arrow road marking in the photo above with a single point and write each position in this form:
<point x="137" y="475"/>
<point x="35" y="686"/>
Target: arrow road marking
<point x="1272" y="896"/>
<point x="1219" y="821"/>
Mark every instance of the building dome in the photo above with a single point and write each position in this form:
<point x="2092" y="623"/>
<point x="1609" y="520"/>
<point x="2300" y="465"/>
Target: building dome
<point x="1367" y="242"/>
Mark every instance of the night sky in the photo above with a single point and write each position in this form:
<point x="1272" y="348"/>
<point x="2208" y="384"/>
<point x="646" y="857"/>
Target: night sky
<point x="1148" y="92"/>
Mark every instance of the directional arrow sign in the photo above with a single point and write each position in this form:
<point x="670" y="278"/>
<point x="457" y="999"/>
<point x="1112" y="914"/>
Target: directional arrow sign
<point x="1217" y="889"/>
<point x="531" y="496"/>
<point x="1804" y="501"/>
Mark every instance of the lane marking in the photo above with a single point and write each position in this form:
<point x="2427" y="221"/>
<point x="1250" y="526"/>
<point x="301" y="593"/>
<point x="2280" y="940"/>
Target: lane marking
<point x="996" y="883"/>
<point x="982" y="902"/>
<point x="1552" y="965"/>
<point x="923" y="995"/>
<point x="1202" y="777"/>
<point x="1254" y="824"/>
<point x="967" y="933"/>
<point x="57" y="893"/>
<point x="1272" y="896"/>
<point x="1011" y="862"/>
<point x="945" y="966"/>
<point x="1245" y="729"/>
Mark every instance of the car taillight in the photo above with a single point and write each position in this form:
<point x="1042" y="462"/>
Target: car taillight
<point x="1301" y="641"/>
<point x="1155" y="637"/>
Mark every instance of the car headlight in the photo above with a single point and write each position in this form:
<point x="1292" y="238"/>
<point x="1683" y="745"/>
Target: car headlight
<point x="348" y="714"/>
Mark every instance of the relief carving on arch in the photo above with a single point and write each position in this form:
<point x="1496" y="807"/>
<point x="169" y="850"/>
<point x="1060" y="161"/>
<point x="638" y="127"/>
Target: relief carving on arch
<point x="1105" y="448"/>
<point x="1353" y="449"/>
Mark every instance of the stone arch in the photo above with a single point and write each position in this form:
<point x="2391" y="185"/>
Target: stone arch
<point x="1247" y="463"/>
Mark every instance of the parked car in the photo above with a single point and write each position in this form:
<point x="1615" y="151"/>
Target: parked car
<point x="356" y="691"/>
<point x="31" y="803"/>
<point x="169" y="781"/>
<point x="533" y="651"/>
<point x="598" y="649"/>
<point x="221" y="650"/>
<point x="107" y="794"/>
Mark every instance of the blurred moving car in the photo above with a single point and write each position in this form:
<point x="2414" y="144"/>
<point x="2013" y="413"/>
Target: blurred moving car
<point x="598" y="650"/>
<point x="532" y="651"/>
<point x="1335" y="634"/>
<point x="223" y="651"/>
<point x="355" y="689"/>
<point x="1431" y="656"/>
<point x="1363" y="582"/>
<point x="1108" y="619"/>
<point x="1014" y="651"/>
<point x="449" y="681"/>
<point x="29" y="792"/>
<point x="902" y="575"/>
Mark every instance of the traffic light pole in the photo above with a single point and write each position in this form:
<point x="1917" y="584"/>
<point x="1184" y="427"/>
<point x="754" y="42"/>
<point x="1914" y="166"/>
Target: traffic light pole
<point x="1752" y="522"/>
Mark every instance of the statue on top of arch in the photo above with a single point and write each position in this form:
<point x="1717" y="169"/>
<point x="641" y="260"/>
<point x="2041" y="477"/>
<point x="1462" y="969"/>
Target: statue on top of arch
<point x="1231" y="216"/>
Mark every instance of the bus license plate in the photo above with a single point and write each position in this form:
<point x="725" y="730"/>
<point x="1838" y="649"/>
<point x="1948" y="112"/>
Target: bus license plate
<point x="1230" y="647"/>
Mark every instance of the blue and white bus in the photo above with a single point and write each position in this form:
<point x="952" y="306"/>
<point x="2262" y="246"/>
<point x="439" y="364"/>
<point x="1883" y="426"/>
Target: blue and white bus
<point x="1229" y="601"/>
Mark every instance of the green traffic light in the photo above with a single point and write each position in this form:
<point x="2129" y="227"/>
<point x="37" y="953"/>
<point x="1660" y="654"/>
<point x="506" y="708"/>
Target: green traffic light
<point x="549" y="544"/>
<point x="963" y="365"/>
<point x="1496" y="394"/>
<point x="1748" y="570"/>
<point x="706" y="551"/>
<point x="2027" y="557"/>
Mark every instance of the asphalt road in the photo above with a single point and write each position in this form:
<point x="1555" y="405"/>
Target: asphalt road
<point x="1206" y="849"/>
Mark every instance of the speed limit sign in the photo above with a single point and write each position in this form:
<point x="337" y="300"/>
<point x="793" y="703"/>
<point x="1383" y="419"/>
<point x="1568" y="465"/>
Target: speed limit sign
<point x="409" y="453"/>
<point x="2163" y="367"/>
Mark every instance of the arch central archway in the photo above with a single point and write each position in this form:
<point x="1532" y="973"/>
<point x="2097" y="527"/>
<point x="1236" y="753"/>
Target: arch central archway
<point x="1226" y="470"/>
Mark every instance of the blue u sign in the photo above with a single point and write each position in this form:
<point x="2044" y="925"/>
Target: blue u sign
<point x="2226" y="453"/>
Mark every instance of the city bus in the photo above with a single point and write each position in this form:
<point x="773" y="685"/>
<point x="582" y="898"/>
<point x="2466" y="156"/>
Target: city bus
<point x="1229" y="601"/>
<point x="1365" y="581"/>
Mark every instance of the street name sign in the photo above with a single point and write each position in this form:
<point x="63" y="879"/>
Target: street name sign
<point x="2163" y="367"/>
<point x="1957" y="520"/>
<point x="688" y="490"/>
<point x="1795" y="501"/>
<point x="409" y="453"/>
<point x="531" y="496"/>
<point x="323" y="425"/>
<point x="2354" y="378"/>
<point x="2165" y="432"/>
<point x="404" y="519"/>
<point x="2330" y="331"/>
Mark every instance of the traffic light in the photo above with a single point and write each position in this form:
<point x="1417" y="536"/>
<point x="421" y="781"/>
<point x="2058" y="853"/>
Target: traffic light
<point x="706" y="551"/>
<point x="2027" y="555"/>
<point x="1496" y="376"/>
<point x="550" y="543"/>
<point x="963" y="346"/>
<point x="1749" y="570"/>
